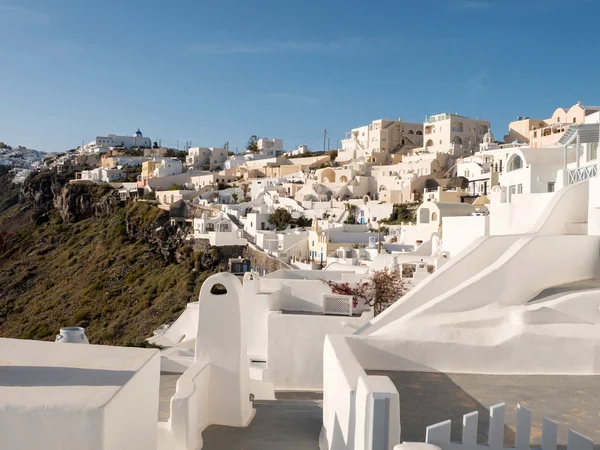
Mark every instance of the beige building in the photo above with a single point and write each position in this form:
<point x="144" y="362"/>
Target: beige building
<point x="379" y="137"/>
<point x="547" y="132"/>
<point x="454" y="134"/>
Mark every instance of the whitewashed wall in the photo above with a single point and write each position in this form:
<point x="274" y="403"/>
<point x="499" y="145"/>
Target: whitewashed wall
<point x="295" y="354"/>
<point x="460" y="232"/>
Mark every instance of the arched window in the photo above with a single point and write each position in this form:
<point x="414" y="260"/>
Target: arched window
<point x="429" y="143"/>
<point x="457" y="140"/>
<point x="411" y="132"/>
<point x="433" y="216"/>
<point x="419" y="133"/>
<point x="515" y="163"/>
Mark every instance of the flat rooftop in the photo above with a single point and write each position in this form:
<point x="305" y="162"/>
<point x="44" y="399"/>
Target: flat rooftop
<point x="36" y="374"/>
<point x="429" y="398"/>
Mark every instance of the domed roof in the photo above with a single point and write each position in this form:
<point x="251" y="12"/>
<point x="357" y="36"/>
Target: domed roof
<point x="138" y="133"/>
<point x="488" y="137"/>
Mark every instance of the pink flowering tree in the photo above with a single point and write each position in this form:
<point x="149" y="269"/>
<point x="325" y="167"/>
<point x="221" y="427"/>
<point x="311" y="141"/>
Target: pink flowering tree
<point x="379" y="291"/>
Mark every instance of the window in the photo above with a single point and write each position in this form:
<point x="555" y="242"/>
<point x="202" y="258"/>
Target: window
<point x="558" y="119"/>
<point x="519" y="188"/>
<point x="574" y="120"/>
<point x="551" y="187"/>
<point x="515" y="163"/>
<point x="434" y="217"/>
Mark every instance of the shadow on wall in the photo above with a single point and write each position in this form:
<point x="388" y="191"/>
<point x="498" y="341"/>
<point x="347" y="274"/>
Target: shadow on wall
<point x="31" y="376"/>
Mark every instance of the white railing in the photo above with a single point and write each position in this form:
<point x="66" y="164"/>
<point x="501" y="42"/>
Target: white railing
<point x="582" y="173"/>
<point x="439" y="434"/>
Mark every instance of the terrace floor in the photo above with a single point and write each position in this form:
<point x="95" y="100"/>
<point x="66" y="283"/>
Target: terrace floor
<point x="293" y="422"/>
<point x="428" y="398"/>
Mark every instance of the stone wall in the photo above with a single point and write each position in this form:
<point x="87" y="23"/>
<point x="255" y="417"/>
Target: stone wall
<point x="225" y="252"/>
<point x="263" y="261"/>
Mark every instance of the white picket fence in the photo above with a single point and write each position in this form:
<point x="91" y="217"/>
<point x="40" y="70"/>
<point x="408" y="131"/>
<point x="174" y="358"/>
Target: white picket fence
<point x="439" y="434"/>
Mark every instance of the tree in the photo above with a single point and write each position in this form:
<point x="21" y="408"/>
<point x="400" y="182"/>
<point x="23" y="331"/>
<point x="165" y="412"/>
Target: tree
<point x="234" y="196"/>
<point x="401" y="212"/>
<point x="245" y="190"/>
<point x="252" y="145"/>
<point x="380" y="290"/>
<point x="304" y="222"/>
<point x="280" y="218"/>
<point x="351" y="213"/>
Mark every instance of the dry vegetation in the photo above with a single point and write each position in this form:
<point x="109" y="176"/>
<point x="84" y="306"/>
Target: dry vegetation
<point x="90" y="274"/>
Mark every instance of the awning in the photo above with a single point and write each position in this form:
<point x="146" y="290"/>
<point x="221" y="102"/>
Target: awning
<point x="588" y="133"/>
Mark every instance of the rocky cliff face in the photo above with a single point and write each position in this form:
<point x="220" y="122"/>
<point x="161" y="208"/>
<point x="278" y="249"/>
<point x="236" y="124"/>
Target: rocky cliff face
<point x="47" y="191"/>
<point x="78" y="202"/>
<point x="39" y="189"/>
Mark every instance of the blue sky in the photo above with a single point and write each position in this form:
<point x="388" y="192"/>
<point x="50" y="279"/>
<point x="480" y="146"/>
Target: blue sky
<point x="211" y="72"/>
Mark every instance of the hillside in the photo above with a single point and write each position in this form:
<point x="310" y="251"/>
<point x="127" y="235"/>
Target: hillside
<point x="77" y="256"/>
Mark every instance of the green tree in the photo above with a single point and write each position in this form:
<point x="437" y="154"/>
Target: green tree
<point x="280" y="218"/>
<point x="402" y="212"/>
<point x="351" y="213"/>
<point x="252" y="145"/>
<point x="234" y="196"/>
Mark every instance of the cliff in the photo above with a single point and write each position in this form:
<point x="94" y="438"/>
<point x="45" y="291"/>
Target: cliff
<point x="74" y="255"/>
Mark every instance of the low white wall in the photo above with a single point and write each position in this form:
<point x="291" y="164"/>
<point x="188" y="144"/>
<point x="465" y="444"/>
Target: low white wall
<point x="459" y="232"/>
<point x="340" y="379"/>
<point x="186" y="325"/>
<point x="219" y="239"/>
<point x="505" y="350"/>
<point x="297" y="295"/>
<point x="481" y="253"/>
<point x="294" y="366"/>
<point x="189" y="407"/>
<point x="349" y="396"/>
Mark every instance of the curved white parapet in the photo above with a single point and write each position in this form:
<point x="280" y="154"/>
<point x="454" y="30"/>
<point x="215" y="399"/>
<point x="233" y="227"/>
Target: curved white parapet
<point x="359" y="411"/>
<point x="532" y="264"/>
<point x="481" y="253"/>
<point x="215" y="390"/>
<point x="568" y="205"/>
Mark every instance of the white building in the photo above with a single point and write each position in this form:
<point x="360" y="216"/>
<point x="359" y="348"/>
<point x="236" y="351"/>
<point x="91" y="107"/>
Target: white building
<point x="379" y="138"/>
<point x="220" y="230"/>
<point x="102" y="175"/>
<point x="454" y="134"/>
<point x="168" y="167"/>
<point x="112" y="140"/>
<point x="207" y="158"/>
<point x="270" y="148"/>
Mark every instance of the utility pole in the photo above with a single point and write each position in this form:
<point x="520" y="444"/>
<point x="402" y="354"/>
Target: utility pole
<point x="328" y="144"/>
<point x="324" y="138"/>
<point x="378" y="238"/>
